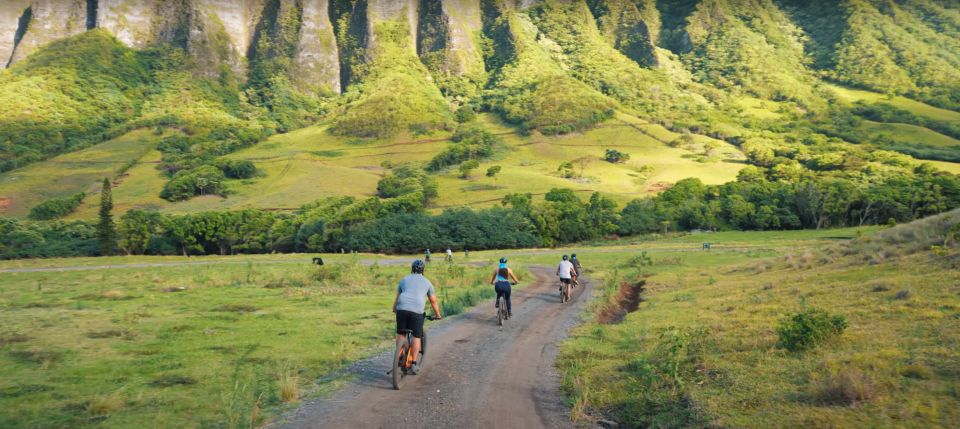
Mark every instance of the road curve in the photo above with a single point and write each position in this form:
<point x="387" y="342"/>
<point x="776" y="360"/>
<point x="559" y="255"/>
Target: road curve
<point x="475" y="375"/>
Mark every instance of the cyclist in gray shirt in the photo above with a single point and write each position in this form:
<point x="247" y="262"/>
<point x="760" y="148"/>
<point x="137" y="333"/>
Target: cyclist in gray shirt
<point x="412" y="294"/>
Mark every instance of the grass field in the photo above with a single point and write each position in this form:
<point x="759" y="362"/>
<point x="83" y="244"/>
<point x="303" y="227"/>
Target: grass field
<point x="229" y="341"/>
<point x="308" y="164"/>
<point x="701" y="348"/>
<point x="218" y="345"/>
<point x="911" y="134"/>
<point x="916" y="107"/>
<point x="80" y="171"/>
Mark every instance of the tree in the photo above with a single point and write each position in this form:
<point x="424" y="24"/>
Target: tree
<point x="566" y="170"/>
<point x="467" y="166"/>
<point x="583" y="162"/>
<point x="106" y="231"/>
<point x="615" y="156"/>
<point x="493" y="171"/>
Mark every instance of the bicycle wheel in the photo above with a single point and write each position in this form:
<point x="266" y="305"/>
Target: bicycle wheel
<point x="423" y="349"/>
<point x="500" y="306"/>
<point x="399" y="359"/>
<point x="563" y="296"/>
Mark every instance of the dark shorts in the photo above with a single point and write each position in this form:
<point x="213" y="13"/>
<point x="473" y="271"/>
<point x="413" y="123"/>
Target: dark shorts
<point x="410" y="320"/>
<point x="565" y="281"/>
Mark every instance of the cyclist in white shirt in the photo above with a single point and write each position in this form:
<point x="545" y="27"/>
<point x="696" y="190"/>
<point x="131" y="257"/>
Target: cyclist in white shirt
<point x="567" y="274"/>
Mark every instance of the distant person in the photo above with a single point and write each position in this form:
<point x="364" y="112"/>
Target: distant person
<point x="577" y="268"/>
<point x="567" y="273"/>
<point x="502" y="279"/>
<point x="412" y="294"/>
<point x="426" y="255"/>
<point x="449" y="255"/>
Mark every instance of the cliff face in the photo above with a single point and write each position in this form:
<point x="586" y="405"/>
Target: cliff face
<point x="51" y="20"/>
<point x="392" y="11"/>
<point x="132" y="21"/>
<point x="221" y="32"/>
<point x="11" y="11"/>
<point x="317" y="62"/>
<point x="463" y="20"/>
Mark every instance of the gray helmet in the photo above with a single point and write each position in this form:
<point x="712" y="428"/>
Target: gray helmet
<point x="417" y="267"/>
<point x="565" y="257"/>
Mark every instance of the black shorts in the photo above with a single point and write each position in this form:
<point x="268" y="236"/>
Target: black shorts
<point x="565" y="281"/>
<point x="410" y="320"/>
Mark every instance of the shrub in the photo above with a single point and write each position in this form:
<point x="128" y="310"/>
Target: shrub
<point x="468" y="166"/>
<point x="846" y="387"/>
<point x="809" y="328"/>
<point x="615" y="156"/>
<point x="203" y="180"/>
<point x="236" y="169"/>
<point x="57" y="207"/>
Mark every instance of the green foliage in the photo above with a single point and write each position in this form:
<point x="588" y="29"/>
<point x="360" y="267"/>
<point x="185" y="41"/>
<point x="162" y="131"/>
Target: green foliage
<point x="469" y="143"/>
<point x="615" y="156"/>
<point x="466" y="167"/>
<point x="809" y="328"/>
<point x="407" y="180"/>
<point x="73" y="93"/>
<point x="530" y="88"/>
<point x="393" y="76"/>
<point x="56" y="208"/>
<point x="20" y="239"/>
<point x="236" y="169"/>
<point x="202" y="180"/>
<point x="106" y="230"/>
<point x="493" y="171"/>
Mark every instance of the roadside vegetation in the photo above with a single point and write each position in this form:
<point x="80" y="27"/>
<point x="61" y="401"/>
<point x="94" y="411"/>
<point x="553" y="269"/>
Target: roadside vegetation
<point x="852" y="334"/>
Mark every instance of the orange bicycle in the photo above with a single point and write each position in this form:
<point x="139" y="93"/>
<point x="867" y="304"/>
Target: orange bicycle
<point x="402" y="361"/>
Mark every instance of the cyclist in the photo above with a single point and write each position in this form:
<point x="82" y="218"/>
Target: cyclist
<point x="566" y="273"/>
<point x="449" y="255"/>
<point x="501" y="281"/>
<point x="412" y="293"/>
<point x="577" y="268"/>
<point x="426" y="255"/>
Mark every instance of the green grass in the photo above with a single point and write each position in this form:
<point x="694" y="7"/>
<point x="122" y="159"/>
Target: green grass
<point x="298" y="167"/>
<point x="911" y="134"/>
<point x="189" y="346"/>
<point x="913" y="106"/>
<point x="64" y="175"/>
<point x="895" y="365"/>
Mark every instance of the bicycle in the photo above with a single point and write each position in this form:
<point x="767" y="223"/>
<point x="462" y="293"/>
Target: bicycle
<point x="401" y="359"/>
<point x="502" y="313"/>
<point x="564" y="292"/>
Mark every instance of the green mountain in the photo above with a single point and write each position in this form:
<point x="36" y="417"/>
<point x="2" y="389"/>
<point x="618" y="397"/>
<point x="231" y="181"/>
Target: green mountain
<point x="274" y="104"/>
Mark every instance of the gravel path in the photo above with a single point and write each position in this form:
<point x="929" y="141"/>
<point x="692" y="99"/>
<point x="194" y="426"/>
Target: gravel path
<point x="475" y="375"/>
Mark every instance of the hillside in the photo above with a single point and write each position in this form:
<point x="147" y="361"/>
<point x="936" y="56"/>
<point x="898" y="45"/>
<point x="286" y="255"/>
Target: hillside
<point x="278" y="105"/>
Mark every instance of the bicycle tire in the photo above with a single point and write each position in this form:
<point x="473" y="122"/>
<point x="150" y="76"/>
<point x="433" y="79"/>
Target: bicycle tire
<point x="500" y="312"/>
<point x="397" y="372"/>
<point x="423" y="350"/>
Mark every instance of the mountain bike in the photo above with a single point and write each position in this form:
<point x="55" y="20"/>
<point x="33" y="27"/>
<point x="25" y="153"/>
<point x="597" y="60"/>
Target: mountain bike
<point x="502" y="313"/>
<point x="402" y="361"/>
<point x="564" y="292"/>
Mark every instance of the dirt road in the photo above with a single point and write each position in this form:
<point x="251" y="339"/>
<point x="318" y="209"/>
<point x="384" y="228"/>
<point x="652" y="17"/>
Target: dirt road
<point x="475" y="375"/>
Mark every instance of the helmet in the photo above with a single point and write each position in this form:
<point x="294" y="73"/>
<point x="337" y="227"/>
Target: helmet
<point x="417" y="267"/>
<point x="565" y="257"/>
<point x="503" y="260"/>
<point x="573" y="256"/>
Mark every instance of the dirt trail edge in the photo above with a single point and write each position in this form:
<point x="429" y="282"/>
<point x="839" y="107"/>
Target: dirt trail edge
<point x="474" y="374"/>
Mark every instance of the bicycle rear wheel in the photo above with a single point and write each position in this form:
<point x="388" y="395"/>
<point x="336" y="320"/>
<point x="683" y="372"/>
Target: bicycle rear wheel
<point x="399" y="359"/>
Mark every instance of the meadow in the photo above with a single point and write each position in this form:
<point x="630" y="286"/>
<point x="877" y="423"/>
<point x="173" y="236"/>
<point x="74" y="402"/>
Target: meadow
<point x="310" y="163"/>
<point x="226" y="343"/>
<point x="692" y="339"/>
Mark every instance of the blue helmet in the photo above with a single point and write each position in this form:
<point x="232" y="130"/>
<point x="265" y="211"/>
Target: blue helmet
<point x="417" y="267"/>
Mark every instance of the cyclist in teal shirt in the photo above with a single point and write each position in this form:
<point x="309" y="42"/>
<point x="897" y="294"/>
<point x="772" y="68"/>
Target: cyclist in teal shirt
<point x="502" y="278"/>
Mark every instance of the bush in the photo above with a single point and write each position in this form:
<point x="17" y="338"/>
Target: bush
<point x="809" y="328"/>
<point x="203" y="180"/>
<point x="234" y="169"/>
<point x="57" y="207"/>
<point x="615" y="156"/>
